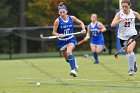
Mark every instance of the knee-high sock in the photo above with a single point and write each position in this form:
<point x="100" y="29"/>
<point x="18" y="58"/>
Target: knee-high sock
<point x="95" y="55"/>
<point x="131" y="60"/>
<point x="71" y="61"/>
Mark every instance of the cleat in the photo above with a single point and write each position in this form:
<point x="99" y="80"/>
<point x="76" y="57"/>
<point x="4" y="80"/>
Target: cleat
<point x="131" y="72"/>
<point x="104" y="50"/>
<point x="73" y="73"/>
<point x="135" y="67"/>
<point x="96" y="62"/>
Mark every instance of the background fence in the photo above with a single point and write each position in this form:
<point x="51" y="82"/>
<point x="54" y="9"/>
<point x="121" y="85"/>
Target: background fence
<point x="25" y="42"/>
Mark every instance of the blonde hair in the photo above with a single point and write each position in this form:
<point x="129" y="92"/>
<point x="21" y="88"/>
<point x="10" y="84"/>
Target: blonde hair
<point x="126" y="1"/>
<point x="94" y="14"/>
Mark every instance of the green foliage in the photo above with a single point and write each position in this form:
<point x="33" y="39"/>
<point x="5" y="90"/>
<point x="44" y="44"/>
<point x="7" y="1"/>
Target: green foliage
<point x="44" y="12"/>
<point x="4" y="10"/>
<point x="8" y="13"/>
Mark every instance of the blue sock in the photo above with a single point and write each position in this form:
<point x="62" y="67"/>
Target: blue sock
<point x="95" y="55"/>
<point x="71" y="61"/>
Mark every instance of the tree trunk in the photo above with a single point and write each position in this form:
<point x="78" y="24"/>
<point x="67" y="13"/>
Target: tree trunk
<point x="22" y="23"/>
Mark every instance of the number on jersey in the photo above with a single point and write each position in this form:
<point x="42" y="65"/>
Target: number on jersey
<point x="126" y="24"/>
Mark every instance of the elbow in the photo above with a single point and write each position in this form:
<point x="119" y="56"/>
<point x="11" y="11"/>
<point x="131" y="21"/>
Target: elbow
<point x="104" y="29"/>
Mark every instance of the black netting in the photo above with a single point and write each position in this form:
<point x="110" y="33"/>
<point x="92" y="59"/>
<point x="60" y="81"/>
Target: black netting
<point x="24" y="42"/>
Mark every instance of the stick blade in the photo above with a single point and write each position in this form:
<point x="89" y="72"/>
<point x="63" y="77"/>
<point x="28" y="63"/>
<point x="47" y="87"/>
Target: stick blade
<point x="49" y="37"/>
<point x="41" y="35"/>
<point x="116" y="55"/>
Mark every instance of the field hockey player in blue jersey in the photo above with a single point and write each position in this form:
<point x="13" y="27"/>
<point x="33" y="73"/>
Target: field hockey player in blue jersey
<point x="64" y="25"/>
<point x="94" y="32"/>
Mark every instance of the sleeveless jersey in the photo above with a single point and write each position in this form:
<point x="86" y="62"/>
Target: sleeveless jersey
<point x="65" y="27"/>
<point x="95" y="36"/>
<point x="127" y="28"/>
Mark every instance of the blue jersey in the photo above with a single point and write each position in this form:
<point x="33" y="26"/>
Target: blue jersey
<point x="65" y="27"/>
<point x="96" y="37"/>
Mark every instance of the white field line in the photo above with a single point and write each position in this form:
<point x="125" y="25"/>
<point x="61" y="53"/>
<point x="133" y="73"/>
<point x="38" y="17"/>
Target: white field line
<point x="85" y="80"/>
<point x="30" y="78"/>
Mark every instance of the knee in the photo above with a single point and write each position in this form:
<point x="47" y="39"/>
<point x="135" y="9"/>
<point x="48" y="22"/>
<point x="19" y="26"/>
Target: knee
<point x="98" y="51"/>
<point x="69" y="52"/>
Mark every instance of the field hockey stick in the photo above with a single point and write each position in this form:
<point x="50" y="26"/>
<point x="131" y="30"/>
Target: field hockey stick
<point x="53" y="37"/>
<point x="116" y="54"/>
<point x="84" y="40"/>
<point x="81" y="41"/>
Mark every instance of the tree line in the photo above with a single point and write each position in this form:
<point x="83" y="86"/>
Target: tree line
<point x="26" y="13"/>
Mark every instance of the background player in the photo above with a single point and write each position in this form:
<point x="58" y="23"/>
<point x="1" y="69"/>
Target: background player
<point x="64" y="25"/>
<point x="125" y="18"/>
<point x="95" y="29"/>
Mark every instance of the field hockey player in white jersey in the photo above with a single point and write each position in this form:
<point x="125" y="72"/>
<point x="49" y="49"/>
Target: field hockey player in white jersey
<point x="125" y="18"/>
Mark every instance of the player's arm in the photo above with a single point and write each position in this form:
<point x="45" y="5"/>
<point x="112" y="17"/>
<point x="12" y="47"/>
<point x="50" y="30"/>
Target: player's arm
<point x="116" y="20"/>
<point x="55" y="27"/>
<point x="101" y="27"/>
<point x="86" y="38"/>
<point x="80" y="23"/>
<point x="88" y="34"/>
<point x="137" y="15"/>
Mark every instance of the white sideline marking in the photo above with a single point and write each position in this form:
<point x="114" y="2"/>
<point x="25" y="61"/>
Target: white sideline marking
<point x="90" y="80"/>
<point x="83" y="80"/>
<point x="24" y="78"/>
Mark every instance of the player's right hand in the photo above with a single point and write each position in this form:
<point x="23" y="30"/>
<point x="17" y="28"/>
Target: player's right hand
<point x="83" y="31"/>
<point x="61" y="35"/>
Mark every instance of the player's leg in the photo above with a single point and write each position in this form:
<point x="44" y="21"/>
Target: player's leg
<point x="62" y="45"/>
<point x="103" y="45"/>
<point x="99" y="49"/>
<point x="94" y="53"/>
<point x="71" y="58"/>
<point x="131" y="57"/>
<point x="64" y="53"/>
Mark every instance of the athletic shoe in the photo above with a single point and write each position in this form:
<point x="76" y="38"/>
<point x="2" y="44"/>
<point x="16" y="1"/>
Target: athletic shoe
<point x="131" y="72"/>
<point x="135" y="67"/>
<point x="73" y="73"/>
<point x="104" y="50"/>
<point x="96" y="62"/>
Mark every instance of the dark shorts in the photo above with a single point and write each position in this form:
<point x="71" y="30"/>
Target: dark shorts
<point x="124" y="42"/>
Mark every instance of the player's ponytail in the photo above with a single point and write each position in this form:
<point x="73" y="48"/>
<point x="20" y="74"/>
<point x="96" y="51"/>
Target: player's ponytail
<point x="62" y="6"/>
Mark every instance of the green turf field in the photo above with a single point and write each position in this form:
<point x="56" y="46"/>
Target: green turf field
<point x="110" y="76"/>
